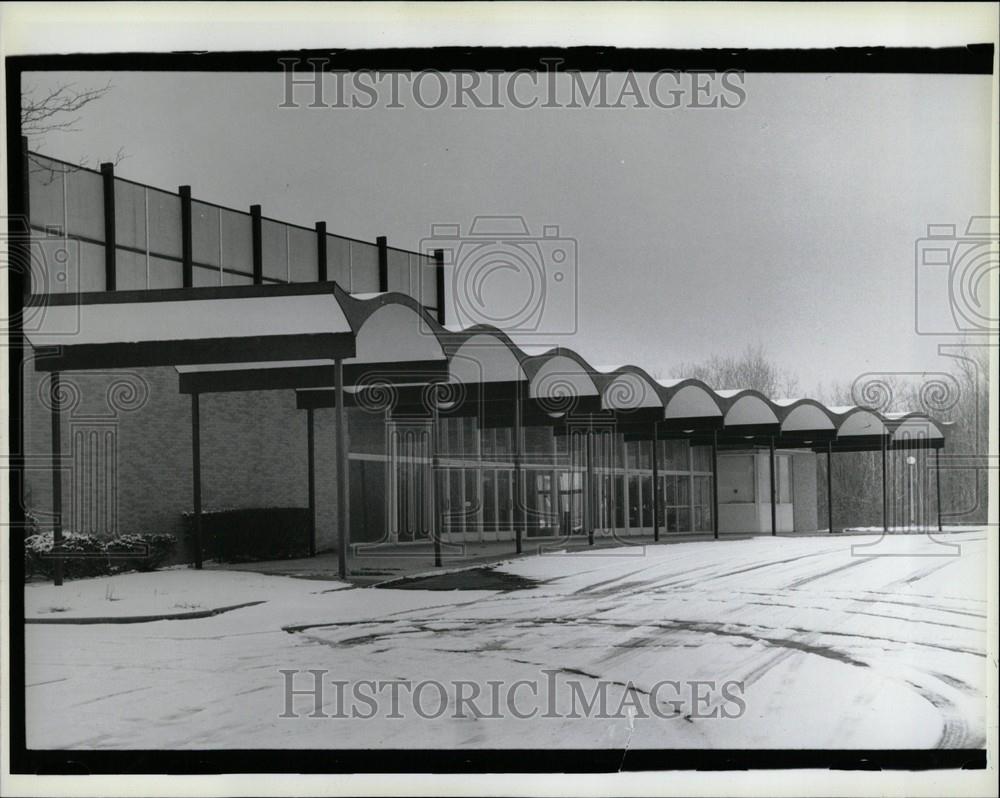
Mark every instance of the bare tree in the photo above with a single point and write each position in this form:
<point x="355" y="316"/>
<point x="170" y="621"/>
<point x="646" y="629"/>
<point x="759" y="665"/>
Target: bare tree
<point x="959" y="398"/>
<point x="753" y="368"/>
<point x="57" y="109"/>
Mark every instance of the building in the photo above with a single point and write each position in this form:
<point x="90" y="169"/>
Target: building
<point x="191" y="357"/>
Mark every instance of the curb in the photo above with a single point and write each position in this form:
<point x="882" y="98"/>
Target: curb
<point x="177" y="616"/>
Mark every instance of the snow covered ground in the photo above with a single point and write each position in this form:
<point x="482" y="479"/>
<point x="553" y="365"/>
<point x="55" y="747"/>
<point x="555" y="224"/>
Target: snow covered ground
<point x="829" y="649"/>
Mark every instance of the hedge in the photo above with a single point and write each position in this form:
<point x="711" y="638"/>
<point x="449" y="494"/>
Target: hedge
<point x="250" y="534"/>
<point x="96" y="556"/>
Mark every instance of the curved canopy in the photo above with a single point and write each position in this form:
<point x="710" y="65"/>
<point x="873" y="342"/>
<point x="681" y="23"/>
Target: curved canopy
<point x="485" y="356"/>
<point x="559" y="375"/>
<point x="630" y="388"/>
<point x="858" y="422"/>
<point x="170" y="327"/>
<point x="914" y="429"/>
<point x="805" y="415"/>
<point x="747" y="409"/>
<point x="689" y="399"/>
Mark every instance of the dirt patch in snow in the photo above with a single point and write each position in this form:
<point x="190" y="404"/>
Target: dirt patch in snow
<point x="470" y="579"/>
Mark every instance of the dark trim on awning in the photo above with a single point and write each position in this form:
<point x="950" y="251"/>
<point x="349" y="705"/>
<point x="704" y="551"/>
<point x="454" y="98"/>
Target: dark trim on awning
<point x="313" y="346"/>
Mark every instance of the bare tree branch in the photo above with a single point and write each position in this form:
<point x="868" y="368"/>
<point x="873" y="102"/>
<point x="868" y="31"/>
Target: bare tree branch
<point x="46" y="112"/>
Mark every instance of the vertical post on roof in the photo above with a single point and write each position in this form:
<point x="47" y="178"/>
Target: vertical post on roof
<point x="321" y="252"/>
<point x="22" y="247"/>
<point x="588" y="496"/>
<point x="439" y="281"/>
<point x="311" y="468"/>
<point x="257" y="244"/>
<point x="187" y="238"/>
<point x="196" y="475"/>
<point x="829" y="486"/>
<point x="715" y="484"/>
<point x="110" y="269"/>
<point x="520" y="514"/>
<point x="343" y="516"/>
<point x="383" y="263"/>
<point x="657" y="494"/>
<point x="885" y="495"/>
<point x="57" y="519"/>
<point x="436" y="526"/>
<point x="774" y="492"/>
<point x="937" y="478"/>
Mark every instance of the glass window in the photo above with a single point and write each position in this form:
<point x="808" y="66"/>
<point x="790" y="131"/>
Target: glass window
<point x="338" y="261"/>
<point x="237" y="242"/>
<point x="472" y="500"/>
<point x="302" y="255"/>
<point x="454" y="516"/>
<point x="736" y="479"/>
<point x="398" y="265"/>
<point x="701" y="458"/>
<point x="364" y="267"/>
<point x="489" y="500"/>
<point x="646" y="484"/>
<point x="675" y="456"/>
<point x="632" y="454"/>
<point x="203" y="276"/>
<point x="130" y="270"/>
<point x="130" y="215"/>
<point x="205" y="234"/>
<point x="505" y="499"/>
<point x="45" y="193"/>
<point x="85" y="203"/>
<point x="619" y="501"/>
<point x="428" y="282"/>
<point x="274" y="250"/>
<point x="165" y="224"/>
<point x="702" y="503"/>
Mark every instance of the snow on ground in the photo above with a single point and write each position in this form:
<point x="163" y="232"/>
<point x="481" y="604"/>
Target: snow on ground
<point x="170" y="592"/>
<point x="831" y="649"/>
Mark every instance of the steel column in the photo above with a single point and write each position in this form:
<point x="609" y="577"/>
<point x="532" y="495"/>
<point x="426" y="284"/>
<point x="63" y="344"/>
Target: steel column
<point x="257" y="244"/>
<point x="436" y="525"/>
<point x="829" y="486"/>
<point x="885" y="494"/>
<point x="520" y="513"/>
<point x="311" y="461"/>
<point x="657" y="497"/>
<point x="439" y="280"/>
<point x="321" y="266"/>
<point x="343" y="466"/>
<point x="383" y="263"/>
<point x="774" y="492"/>
<point x="110" y="262"/>
<point x="57" y="519"/>
<point x="196" y="475"/>
<point x="715" y="484"/>
<point x="937" y="478"/>
<point x="187" y="237"/>
<point x="588" y="496"/>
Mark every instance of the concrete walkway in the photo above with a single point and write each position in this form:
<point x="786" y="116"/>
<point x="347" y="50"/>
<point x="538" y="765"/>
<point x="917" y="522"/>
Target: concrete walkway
<point x="375" y="562"/>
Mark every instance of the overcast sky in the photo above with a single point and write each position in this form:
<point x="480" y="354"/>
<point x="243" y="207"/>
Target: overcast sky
<point x="790" y="220"/>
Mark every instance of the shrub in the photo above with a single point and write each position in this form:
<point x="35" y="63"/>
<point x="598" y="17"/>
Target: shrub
<point x="96" y="556"/>
<point x="249" y="534"/>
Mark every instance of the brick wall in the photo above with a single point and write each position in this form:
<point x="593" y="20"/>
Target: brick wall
<point x="128" y="437"/>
